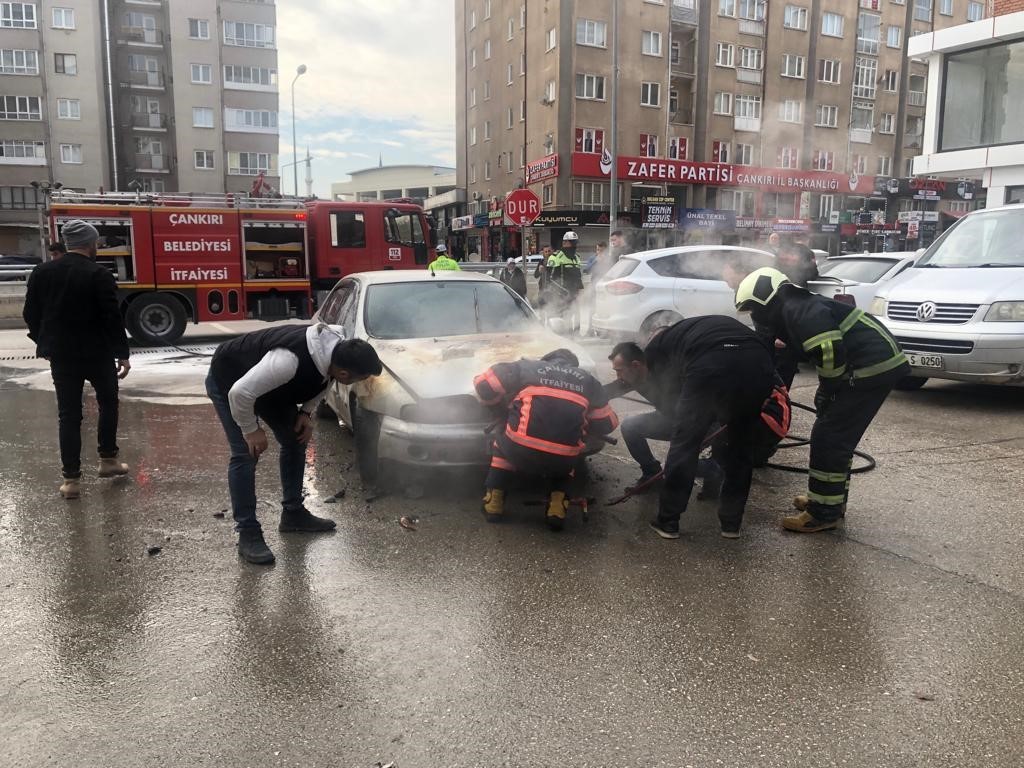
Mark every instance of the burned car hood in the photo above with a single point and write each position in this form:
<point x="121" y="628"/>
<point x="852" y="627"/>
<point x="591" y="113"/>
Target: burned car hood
<point x="443" y="367"/>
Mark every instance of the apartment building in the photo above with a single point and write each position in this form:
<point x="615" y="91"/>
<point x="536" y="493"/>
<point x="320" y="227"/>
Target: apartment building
<point x="801" y="115"/>
<point x="152" y="95"/>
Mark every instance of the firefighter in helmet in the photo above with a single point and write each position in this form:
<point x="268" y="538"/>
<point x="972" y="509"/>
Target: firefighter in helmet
<point x="858" y="363"/>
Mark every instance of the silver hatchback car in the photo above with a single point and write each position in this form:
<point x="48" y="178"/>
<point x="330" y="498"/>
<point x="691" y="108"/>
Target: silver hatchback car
<point x="958" y="313"/>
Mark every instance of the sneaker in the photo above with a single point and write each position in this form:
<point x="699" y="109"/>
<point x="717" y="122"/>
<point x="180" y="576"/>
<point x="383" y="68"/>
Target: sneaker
<point x="667" y="529"/>
<point x="253" y="548"/>
<point x="301" y="520"/>
<point x="730" y="534"/>
<point x="805" y="522"/>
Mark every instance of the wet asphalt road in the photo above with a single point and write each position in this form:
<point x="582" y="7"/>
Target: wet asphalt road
<point x="895" y="643"/>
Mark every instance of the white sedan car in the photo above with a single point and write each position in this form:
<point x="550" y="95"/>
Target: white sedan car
<point x="647" y="290"/>
<point x="433" y="334"/>
<point x="856" y="278"/>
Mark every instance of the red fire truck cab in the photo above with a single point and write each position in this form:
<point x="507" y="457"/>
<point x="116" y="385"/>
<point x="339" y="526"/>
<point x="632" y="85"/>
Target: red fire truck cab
<point x="227" y="257"/>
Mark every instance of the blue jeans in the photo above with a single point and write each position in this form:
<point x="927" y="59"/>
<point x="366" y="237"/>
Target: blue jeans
<point x="637" y="430"/>
<point x="242" y="466"/>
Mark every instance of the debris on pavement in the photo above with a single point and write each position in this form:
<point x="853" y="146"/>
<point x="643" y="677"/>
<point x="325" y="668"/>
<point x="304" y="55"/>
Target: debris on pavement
<point x="154" y="550"/>
<point x="220" y="515"/>
<point x="333" y="499"/>
<point x="408" y="522"/>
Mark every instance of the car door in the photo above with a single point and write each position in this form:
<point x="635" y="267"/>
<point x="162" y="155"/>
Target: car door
<point x="337" y="309"/>
<point x="699" y="289"/>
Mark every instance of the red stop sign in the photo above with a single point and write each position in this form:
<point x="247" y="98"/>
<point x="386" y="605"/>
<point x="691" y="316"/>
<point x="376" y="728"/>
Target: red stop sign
<point x="522" y="207"/>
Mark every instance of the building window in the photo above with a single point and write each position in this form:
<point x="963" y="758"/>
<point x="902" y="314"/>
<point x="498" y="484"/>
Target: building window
<point x="202" y="117"/>
<point x="20" y="108"/>
<point x="509" y="118"/>
<point x="884" y="165"/>
<point x="739" y="200"/>
<point x="69" y="109"/>
<point x="648" y="145"/>
<point x="946" y="7"/>
<point x="522" y="16"/>
<point x="199" y="29"/>
<point x="891" y="80"/>
<point x="983" y="94"/>
<point x="472" y="173"/>
<point x="487" y="90"/>
<point x="650" y="94"/>
<point x="472" y="58"/>
<point x="752" y="10"/>
<point x="748" y="106"/>
<point x="252" y="120"/>
<point x="590" y="195"/>
<point x="865" y="74"/>
<point x="726" y="7"/>
<point x="789" y="157"/>
<point x="744" y="154"/>
<point x="862" y="116"/>
<point x="487" y="170"/>
<point x="725" y="54"/>
<point x="522" y="157"/>
<point x="826" y="116"/>
<point x="203" y="159"/>
<point x="509" y="75"/>
<point x="678" y="148"/>
<point x="202" y="74"/>
<point x="593" y="33"/>
<point x="720" y="151"/>
<point x="20" y="198"/>
<point x="487" y="9"/>
<point x="826" y="204"/>
<point x="590" y="87"/>
<point x="590" y="140"/>
<point x="860" y="165"/>
<point x="923" y="10"/>
<point x="549" y="91"/>
<point x="548" y="194"/>
<point x="71" y="154"/>
<point x="793" y="65"/>
<point x="914" y="131"/>
<point x="894" y="36"/>
<point x="673" y="101"/>
<point x="13" y="148"/>
<point x="791" y="111"/>
<point x="472" y="135"/>
<point x="248" y="35"/>
<point x="252" y="163"/>
<point x="510" y="35"/>
<point x="551" y="39"/>
<point x="869" y="33"/>
<point x="63" y="18"/>
<point x="795" y="17"/>
<point x="751" y="58"/>
<point x="65" y="63"/>
<point x="823" y="161"/>
<point x="651" y="45"/>
<point x="240" y="75"/>
<point x="16" y="61"/>
<point x="522" y="63"/>
<point x="832" y="24"/>
<point x="975" y="11"/>
<point x="18" y="15"/>
<point x="887" y="123"/>
<point x="487" y="49"/>
<point x="522" y="110"/>
<point x="723" y="103"/>
<point x="472" y="20"/>
<point x="487" y="130"/>
<point x="829" y="71"/>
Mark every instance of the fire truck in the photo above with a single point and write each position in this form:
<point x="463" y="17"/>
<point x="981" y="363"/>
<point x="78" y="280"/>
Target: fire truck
<point x="231" y="257"/>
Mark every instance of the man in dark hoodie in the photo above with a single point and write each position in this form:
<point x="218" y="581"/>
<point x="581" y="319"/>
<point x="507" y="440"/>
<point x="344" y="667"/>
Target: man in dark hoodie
<point x="714" y="370"/>
<point x="278" y="376"/>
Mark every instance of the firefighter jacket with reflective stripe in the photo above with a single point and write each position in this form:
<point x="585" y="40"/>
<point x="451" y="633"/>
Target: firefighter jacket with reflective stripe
<point x="552" y="406"/>
<point x="843" y="342"/>
<point x="442" y="263"/>
<point x="566" y="271"/>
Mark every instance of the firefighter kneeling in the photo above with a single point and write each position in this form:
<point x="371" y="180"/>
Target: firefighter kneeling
<point x="549" y="408"/>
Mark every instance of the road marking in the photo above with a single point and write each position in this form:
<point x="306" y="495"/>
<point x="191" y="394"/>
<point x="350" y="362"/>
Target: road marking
<point x="221" y="327"/>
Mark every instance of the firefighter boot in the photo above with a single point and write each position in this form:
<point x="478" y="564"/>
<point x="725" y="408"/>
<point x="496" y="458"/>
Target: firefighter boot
<point x="494" y="504"/>
<point x="69" y="489"/>
<point x="805" y="522"/>
<point x="112" y="468"/>
<point x="802" y="503"/>
<point x="557" y="507"/>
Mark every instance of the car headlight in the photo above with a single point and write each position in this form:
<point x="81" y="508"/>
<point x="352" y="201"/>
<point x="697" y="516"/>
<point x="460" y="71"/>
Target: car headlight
<point x="1006" y="312"/>
<point x="878" y="306"/>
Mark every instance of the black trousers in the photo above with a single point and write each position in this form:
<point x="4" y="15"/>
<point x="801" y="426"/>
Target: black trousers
<point x="836" y="433"/>
<point x="728" y="385"/>
<point x="69" y="377"/>
<point x="553" y="473"/>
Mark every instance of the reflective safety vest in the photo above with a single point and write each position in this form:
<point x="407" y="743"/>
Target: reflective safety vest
<point x="444" y="263"/>
<point x="566" y="270"/>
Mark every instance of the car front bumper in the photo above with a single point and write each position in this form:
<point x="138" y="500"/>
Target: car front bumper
<point x="995" y="358"/>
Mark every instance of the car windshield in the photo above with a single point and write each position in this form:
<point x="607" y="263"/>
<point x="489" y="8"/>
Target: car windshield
<point x="989" y="239"/>
<point x="422" y="309"/>
<point x="860" y="270"/>
<point x="621" y="268"/>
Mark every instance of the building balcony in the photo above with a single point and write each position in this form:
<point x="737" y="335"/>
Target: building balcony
<point x="860" y="135"/>
<point x="916" y="98"/>
<point x="146" y="80"/>
<point x="748" y="76"/>
<point x="152" y="163"/>
<point x="140" y="36"/>
<point x="682" y="116"/>
<point x="685" y="67"/>
<point x="7" y="160"/>
<point x="747" y="124"/>
<point x="868" y="46"/>
<point x="149" y="121"/>
<point x="751" y="27"/>
<point x="864" y="91"/>
<point x="684" y="12"/>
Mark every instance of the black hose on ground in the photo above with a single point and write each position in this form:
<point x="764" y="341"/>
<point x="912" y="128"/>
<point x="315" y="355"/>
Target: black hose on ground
<point x="795" y="441"/>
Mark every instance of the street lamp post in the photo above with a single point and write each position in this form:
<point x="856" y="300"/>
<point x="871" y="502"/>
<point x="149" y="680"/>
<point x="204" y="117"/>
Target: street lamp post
<point x="295" y="152"/>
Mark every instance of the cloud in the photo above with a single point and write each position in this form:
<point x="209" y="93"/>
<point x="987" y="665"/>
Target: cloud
<point x="331" y="137"/>
<point x="390" y="143"/>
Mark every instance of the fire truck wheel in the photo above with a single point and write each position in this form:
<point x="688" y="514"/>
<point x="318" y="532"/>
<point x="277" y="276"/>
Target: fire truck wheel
<point x="156" y="318"/>
<point x="367" y="436"/>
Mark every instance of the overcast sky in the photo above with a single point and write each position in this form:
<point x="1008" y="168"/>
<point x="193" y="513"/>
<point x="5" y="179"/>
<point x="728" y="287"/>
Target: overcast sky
<point x="380" y="80"/>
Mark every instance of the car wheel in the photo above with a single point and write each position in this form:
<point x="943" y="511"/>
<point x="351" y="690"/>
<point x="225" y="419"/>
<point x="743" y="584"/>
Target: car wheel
<point x="658" y="320"/>
<point x="366" y="428"/>
<point x="911" y="383"/>
<point x="156" y="318"/>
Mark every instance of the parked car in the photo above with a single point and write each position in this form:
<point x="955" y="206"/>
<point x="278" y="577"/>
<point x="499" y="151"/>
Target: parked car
<point x="433" y="334"/>
<point x="855" y="278"/>
<point x="16" y="265"/>
<point x="958" y="312"/>
<point x="646" y="290"/>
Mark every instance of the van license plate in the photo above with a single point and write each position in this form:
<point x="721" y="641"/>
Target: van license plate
<point x="925" y="361"/>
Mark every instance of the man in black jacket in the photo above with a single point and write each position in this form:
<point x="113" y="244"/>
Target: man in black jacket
<point x="858" y="363"/>
<point x="514" y="277"/>
<point x="278" y="376"/>
<point x="73" y="316"/>
<point x="714" y="370"/>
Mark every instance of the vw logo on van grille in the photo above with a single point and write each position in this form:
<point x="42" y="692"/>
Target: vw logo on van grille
<point x="926" y="311"/>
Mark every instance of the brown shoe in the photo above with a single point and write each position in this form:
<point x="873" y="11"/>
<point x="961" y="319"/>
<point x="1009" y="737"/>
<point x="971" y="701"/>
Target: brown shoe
<point x="70" y="489"/>
<point x="805" y="522"/>
<point x="112" y="468"/>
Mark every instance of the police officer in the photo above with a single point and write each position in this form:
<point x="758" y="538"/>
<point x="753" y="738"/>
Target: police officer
<point x="565" y="273"/>
<point x="858" y="363"/>
<point x="443" y="260"/>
